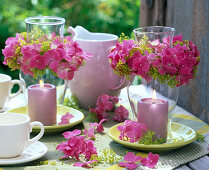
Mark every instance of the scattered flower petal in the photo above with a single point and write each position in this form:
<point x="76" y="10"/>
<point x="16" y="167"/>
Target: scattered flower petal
<point x="131" y="159"/>
<point x="84" y="164"/>
<point x="65" y="119"/>
<point x="150" y="161"/>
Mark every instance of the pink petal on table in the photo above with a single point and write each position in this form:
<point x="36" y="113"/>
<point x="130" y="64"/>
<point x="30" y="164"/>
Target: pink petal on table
<point x="150" y="161"/>
<point x="129" y="165"/>
<point x="100" y="127"/>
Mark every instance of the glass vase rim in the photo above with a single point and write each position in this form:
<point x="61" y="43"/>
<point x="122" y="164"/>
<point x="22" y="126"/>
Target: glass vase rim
<point x="59" y="20"/>
<point x="169" y="30"/>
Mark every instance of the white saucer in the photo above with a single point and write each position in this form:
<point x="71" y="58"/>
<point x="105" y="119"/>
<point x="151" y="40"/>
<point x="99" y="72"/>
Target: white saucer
<point x="33" y="152"/>
<point x="3" y="109"/>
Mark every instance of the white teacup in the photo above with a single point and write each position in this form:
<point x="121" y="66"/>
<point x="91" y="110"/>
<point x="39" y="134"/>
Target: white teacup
<point x="15" y="131"/>
<point x="6" y="85"/>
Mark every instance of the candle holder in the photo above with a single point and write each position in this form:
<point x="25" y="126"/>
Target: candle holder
<point x="42" y="100"/>
<point x="157" y="112"/>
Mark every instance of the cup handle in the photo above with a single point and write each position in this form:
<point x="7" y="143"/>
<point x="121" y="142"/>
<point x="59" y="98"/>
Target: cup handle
<point x="41" y="133"/>
<point x="13" y="82"/>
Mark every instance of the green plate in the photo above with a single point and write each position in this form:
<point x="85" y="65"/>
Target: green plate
<point x="181" y="136"/>
<point x="61" y="110"/>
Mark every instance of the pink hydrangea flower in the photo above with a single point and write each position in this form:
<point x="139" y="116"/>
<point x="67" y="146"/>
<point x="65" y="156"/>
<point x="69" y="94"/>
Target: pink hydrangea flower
<point x="150" y="161"/>
<point x="98" y="126"/>
<point x="76" y="145"/>
<point x="65" y="119"/>
<point x="70" y="134"/>
<point x="84" y="164"/>
<point x="173" y="65"/>
<point x="89" y="149"/>
<point x="121" y="113"/>
<point x="130" y="159"/>
<point x="63" y="59"/>
<point x="104" y="103"/>
<point x="89" y="132"/>
<point x="131" y="130"/>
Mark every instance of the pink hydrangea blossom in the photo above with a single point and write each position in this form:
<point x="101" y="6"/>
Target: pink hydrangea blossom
<point x="65" y="119"/>
<point x="62" y="57"/>
<point x="85" y="164"/>
<point x="121" y="114"/>
<point x="70" y="134"/>
<point x="89" y="132"/>
<point x="98" y="126"/>
<point x="173" y="65"/>
<point x="104" y="104"/>
<point x="89" y="149"/>
<point x="150" y="161"/>
<point x="76" y="146"/>
<point x="131" y="130"/>
<point x="130" y="159"/>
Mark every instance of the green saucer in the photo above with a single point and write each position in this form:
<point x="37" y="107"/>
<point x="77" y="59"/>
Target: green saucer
<point x="181" y="135"/>
<point x="61" y="110"/>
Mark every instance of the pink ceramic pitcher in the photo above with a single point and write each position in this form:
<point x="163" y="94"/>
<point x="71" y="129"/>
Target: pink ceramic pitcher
<point x="96" y="77"/>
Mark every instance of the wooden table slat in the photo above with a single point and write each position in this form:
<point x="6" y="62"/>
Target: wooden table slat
<point x="183" y="167"/>
<point x="201" y="163"/>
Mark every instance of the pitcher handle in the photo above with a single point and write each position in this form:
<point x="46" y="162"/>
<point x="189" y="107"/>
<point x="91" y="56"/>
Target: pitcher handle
<point x="123" y="83"/>
<point x="72" y="31"/>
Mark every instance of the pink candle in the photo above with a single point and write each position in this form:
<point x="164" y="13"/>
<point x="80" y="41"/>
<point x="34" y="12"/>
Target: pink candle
<point x="154" y="114"/>
<point x="42" y="103"/>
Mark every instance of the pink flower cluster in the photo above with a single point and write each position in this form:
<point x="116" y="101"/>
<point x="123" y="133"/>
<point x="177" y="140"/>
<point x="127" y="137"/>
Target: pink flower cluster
<point x="77" y="145"/>
<point x="62" y="57"/>
<point x="106" y="103"/>
<point x="150" y="161"/>
<point x="172" y="65"/>
<point x="131" y="131"/>
<point x="65" y="119"/>
<point x="91" y="130"/>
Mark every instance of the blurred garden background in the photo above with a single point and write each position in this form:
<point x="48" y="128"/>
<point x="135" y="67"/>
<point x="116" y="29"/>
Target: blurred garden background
<point x="110" y="16"/>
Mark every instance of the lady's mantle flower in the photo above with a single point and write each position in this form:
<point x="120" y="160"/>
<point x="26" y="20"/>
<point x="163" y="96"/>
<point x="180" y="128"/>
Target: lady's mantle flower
<point x="130" y="159"/>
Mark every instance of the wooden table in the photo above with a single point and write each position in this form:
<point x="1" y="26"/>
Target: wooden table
<point x="199" y="164"/>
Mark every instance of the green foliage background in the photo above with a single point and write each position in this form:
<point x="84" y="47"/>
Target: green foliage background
<point x="110" y="16"/>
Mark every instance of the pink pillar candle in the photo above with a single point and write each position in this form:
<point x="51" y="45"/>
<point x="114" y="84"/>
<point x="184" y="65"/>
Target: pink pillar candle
<point x="154" y="114"/>
<point x="42" y="104"/>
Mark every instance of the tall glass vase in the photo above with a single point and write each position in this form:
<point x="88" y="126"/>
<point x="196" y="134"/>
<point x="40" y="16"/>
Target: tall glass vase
<point x="41" y="103"/>
<point x="155" y="112"/>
